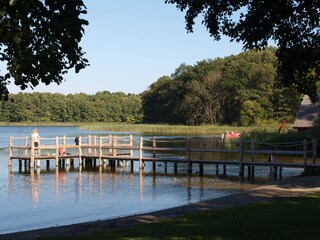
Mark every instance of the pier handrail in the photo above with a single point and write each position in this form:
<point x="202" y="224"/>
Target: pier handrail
<point x="112" y="146"/>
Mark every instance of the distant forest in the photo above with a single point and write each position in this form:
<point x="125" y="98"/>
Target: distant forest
<point x="55" y="107"/>
<point x="241" y="89"/>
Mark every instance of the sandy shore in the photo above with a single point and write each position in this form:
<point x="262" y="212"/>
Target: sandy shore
<point x="296" y="186"/>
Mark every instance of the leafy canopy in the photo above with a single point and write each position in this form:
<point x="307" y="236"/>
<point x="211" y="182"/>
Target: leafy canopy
<point x="294" y="25"/>
<point x="39" y="41"/>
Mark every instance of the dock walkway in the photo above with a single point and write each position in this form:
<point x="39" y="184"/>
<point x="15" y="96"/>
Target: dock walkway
<point x="98" y="150"/>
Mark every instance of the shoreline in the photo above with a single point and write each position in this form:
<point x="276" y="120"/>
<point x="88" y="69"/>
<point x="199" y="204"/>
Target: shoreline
<point x="292" y="187"/>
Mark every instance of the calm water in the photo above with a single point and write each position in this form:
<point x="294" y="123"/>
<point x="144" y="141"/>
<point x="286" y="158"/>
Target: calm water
<point x="59" y="197"/>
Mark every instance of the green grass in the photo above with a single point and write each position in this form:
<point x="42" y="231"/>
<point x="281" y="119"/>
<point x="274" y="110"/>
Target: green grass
<point x="263" y="132"/>
<point x="177" y="129"/>
<point x="157" y="128"/>
<point x="291" y="218"/>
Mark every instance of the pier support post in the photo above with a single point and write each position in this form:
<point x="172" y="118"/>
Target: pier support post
<point x="131" y="166"/>
<point x="175" y="167"/>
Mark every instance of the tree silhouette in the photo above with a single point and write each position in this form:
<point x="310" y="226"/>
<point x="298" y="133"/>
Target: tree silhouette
<point x="294" y="26"/>
<point x="39" y="41"/>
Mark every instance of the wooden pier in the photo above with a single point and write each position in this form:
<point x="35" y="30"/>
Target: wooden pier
<point x="100" y="150"/>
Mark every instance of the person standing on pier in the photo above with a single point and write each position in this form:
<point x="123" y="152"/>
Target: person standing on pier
<point x="35" y="138"/>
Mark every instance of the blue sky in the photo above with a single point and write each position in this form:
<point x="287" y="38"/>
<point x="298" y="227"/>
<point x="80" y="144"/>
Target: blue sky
<point x="132" y="43"/>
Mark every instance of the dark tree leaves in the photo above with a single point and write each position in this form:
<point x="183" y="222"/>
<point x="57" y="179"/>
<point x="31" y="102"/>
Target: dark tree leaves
<point x="39" y="41"/>
<point x="294" y="25"/>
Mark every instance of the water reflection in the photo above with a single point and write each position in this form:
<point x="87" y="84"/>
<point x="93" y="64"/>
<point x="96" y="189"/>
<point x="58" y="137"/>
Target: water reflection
<point x="103" y="193"/>
<point x="100" y="179"/>
<point x="141" y="184"/>
<point x="55" y="195"/>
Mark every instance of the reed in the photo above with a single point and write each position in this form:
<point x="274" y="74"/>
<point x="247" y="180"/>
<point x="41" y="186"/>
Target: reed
<point x="175" y="129"/>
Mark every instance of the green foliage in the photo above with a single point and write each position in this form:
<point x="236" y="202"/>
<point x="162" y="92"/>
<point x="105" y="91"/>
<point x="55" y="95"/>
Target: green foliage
<point x="292" y="25"/>
<point x="46" y="107"/>
<point x="240" y="89"/>
<point x="251" y="113"/>
<point x="39" y="41"/>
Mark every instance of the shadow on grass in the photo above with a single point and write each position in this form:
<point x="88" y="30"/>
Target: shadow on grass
<point x="289" y="218"/>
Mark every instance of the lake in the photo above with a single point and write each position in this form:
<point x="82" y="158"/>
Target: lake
<point x="46" y="198"/>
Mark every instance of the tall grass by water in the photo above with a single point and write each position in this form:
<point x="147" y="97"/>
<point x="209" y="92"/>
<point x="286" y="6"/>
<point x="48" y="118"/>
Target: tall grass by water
<point x="267" y="132"/>
<point x="178" y="129"/>
<point x="263" y="132"/>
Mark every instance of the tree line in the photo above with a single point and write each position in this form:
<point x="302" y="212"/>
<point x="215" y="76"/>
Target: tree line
<point x="241" y="90"/>
<point x="45" y="107"/>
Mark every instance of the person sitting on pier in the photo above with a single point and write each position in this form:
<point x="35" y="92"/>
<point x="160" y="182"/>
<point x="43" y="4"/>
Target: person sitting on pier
<point x="61" y="151"/>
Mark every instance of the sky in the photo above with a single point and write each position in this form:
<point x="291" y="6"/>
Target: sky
<point x="130" y="44"/>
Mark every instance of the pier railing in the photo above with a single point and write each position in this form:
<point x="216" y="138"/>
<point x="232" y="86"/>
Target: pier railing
<point x="186" y="150"/>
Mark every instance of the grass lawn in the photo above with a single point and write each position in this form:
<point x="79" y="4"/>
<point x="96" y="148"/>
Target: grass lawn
<point x="290" y="218"/>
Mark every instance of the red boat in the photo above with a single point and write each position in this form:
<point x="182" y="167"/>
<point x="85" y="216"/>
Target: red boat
<point x="232" y="135"/>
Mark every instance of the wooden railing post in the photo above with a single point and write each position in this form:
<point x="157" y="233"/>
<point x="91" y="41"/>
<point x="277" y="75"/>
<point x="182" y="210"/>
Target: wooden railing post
<point x="89" y="144"/>
<point x="26" y="139"/>
<point x="154" y="144"/>
<point x="38" y="148"/>
<point x="32" y="154"/>
<point x="189" y="155"/>
<point x="202" y="146"/>
<point x="80" y="150"/>
<point x="95" y="144"/>
<point x="57" y="151"/>
<point x="140" y="152"/>
<point x="241" y="167"/>
<point x="100" y="150"/>
<point x="10" y="150"/>
<point x="314" y="151"/>
<point x="131" y="145"/>
<point x="64" y="143"/>
<point x="114" y="144"/>
<point x="305" y="148"/>
<point x="252" y="149"/>
<point x="110" y="142"/>
<point x="251" y="167"/>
